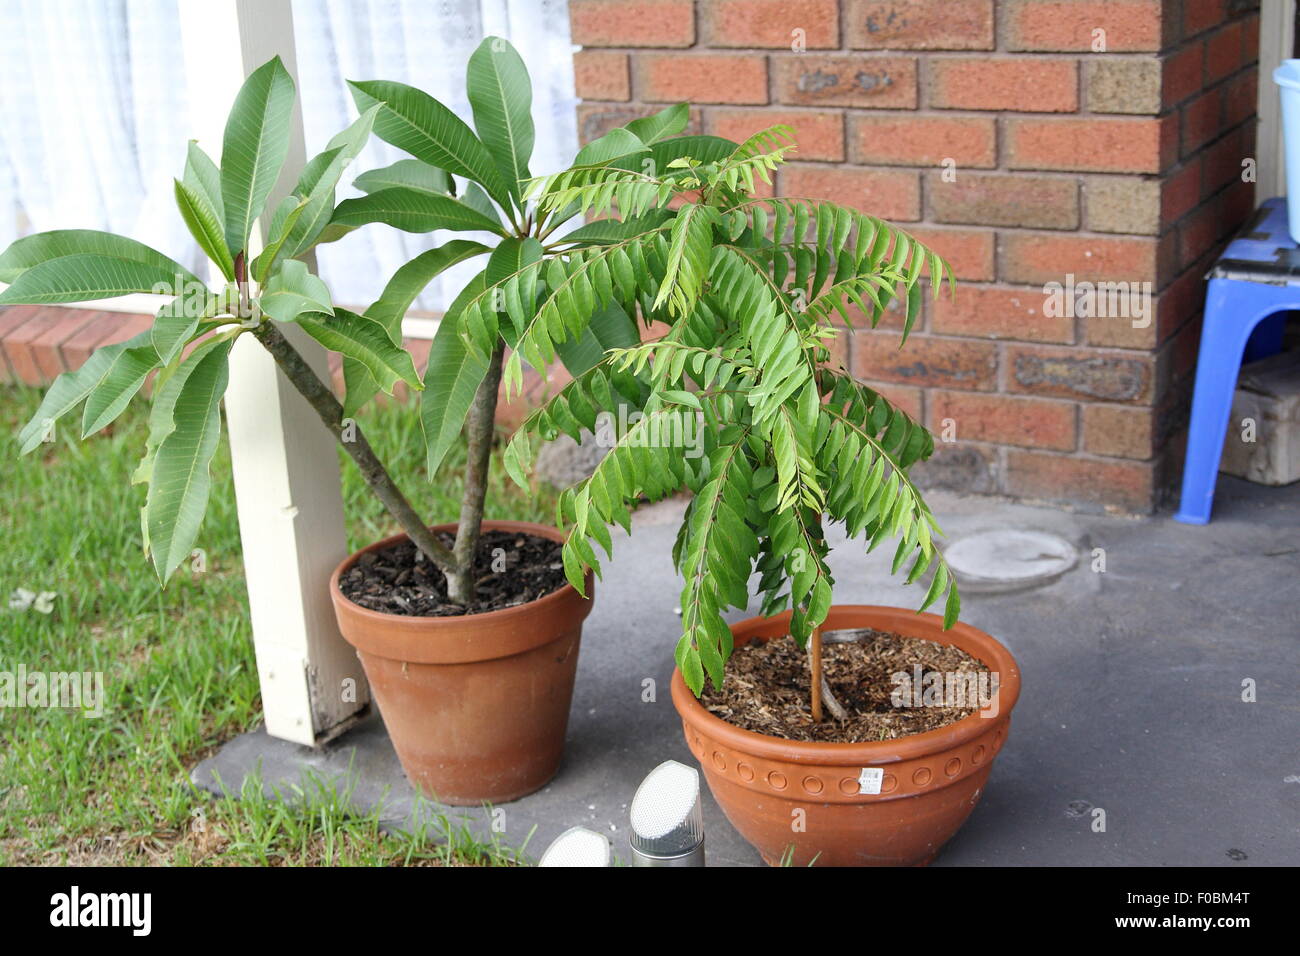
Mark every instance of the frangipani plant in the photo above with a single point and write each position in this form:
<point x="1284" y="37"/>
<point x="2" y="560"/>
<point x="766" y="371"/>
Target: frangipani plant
<point x="189" y="345"/>
<point x="748" y="288"/>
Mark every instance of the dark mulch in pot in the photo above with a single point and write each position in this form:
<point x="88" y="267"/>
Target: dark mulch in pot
<point x="399" y="579"/>
<point x="766" y="687"/>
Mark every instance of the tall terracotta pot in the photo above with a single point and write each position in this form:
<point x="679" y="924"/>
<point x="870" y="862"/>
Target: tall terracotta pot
<point x="476" y="706"/>
<point x="931" y="781"/>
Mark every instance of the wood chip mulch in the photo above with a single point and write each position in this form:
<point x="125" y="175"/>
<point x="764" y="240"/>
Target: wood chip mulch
<point x="766" y="689"/>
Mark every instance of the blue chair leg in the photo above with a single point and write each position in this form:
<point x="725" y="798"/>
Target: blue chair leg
<point x="1232" y="310"/>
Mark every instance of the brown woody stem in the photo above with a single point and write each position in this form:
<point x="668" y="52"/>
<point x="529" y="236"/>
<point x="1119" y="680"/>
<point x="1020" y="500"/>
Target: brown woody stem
<point x="479" y="428"/>
<point x="322" y="400"/>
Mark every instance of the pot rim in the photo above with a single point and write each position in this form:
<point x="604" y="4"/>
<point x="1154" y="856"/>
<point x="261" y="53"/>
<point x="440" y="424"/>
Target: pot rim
<point x="566" y="592"/>
<point x="865" y="753"/>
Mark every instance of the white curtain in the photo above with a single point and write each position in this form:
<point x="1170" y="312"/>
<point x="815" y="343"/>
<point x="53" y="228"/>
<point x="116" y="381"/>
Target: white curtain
<point x="424" y="44"/>
<point x="95" y="111"/>
<point x="93" y="119"/>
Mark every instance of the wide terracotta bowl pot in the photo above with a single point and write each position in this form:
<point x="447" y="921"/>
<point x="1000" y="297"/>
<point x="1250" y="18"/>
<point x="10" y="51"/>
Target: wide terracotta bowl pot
<point x="476" y="706"/>
<point x="931" y="781"/>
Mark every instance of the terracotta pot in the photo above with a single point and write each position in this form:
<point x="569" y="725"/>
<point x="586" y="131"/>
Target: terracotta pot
<point x="476" y="706"/>
<point x="930" y="784"/>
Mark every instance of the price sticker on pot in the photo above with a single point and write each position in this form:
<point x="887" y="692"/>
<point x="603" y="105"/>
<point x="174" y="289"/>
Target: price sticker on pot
<point x="870" y="779"/>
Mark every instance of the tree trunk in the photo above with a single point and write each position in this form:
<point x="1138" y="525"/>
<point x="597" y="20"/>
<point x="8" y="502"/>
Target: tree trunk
<point x="321" y="399"/>
<point x="480" y="426"/>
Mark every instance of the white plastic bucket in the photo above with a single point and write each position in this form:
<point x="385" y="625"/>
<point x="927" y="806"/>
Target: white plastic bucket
<point x="1287" y="77"/>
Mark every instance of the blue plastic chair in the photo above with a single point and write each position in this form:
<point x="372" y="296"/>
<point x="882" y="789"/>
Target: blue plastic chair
<point x="1251" y="288"/>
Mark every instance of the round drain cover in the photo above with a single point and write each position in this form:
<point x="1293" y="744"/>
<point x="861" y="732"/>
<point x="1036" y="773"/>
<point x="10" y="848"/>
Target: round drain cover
<point x="1008" y="559"/>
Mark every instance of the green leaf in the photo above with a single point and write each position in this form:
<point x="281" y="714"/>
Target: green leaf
<point x="81" y="278"/>
<point x="177" y="321"/>
<point x="450" y="380"/>
<point x="365" y="340"/>
<point x="618" y="143"/>
<point x="75" y="265"/>
<point x="198" y="195"/>
<point x="610" y="328"/>
<point x="179" y="483"/>
<point x="70" y="388"/>
<point x="359" y="386"/>
<point x="501" y="96"/>
<point x="412" y="211"/>
<point x="410" y="173"/>
<point x="411" y="279"/>
<point x="114" y="391"/>
<point x="294" y="291"/>
<point x="414" y="121"/>
<point x="255" y="145"/>
<point x="316" y="185"/>
<point x="706" y="149"/>
<point x="665" y="123"/>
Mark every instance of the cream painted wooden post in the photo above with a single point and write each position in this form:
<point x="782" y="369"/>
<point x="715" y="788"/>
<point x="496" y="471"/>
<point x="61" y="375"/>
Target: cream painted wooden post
<point x="286" y="469"/>
<point x="1276" y="36"/>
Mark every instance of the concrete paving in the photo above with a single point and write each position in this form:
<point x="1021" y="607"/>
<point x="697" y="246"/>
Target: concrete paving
<point x="1132" y="698"/>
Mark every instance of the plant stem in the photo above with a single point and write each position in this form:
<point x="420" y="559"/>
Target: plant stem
<point x="815" y="666"/>
<point x="821" y="693"/>
<point x="479" y="427"/>
<point x="322" y="400"/>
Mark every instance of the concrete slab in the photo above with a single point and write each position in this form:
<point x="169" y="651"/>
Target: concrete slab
<point x="1133" y="666"/>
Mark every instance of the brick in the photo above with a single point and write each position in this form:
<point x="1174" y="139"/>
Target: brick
<point x="1250" y="39"/>
<point x="771" y="24"/>
<point x="1202" y="120"/>
<point x="920" y="25"/>
<point x="1118" y="432"/>
<point x="964" y="467"/>
<point x="925" y="362"/>
<point x="597" y="119"/>
<point x="1181" y="75"/>
<point x="599" y="75"/>
<point x="1004" y="83"/>
<point x="910" y="400"/>
<point x="1222" y="53"/>
<point x="1180" y="191"/>
<point x="923" y="140"/>
<point x="706" y="78"/>
<point x="969" y="253"/>
<point x="1240" y="97"/>
<point x="79" y="346"/>
<point x="819" y="135"/>
<point x="1044" y="257"/>
<point x="991" y="199"/>
<point x="1024" y="422"/>
<point x="808" y="79"/>
<point x="1080" y="373"/>
<point x="1222" y="161"/>
<point x="998" y="313"/>
<point x="1067" y="25"/>
<point x="889" y="194"/>
<point x="126" y="326"/>
<point x="1113" y="145"/>
<point x="1122" y="204"/>
<point x="1095" y="484"/>
<point x="18" y="345"/>
<point x="47" y="347"/>
<point x="642" y="23"/>
<point x="1125" y="85"/>
<point x="1200" y="15"/>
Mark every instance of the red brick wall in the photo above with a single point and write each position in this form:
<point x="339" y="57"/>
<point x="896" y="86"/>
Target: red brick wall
<point x="1122" y="165"/>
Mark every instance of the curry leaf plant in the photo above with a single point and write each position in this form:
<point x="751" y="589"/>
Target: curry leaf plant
<point x="747" y="289"/>
<point x="188" y="348"/>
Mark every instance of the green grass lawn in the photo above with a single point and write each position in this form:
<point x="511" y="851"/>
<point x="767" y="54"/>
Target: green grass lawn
<point x="178" y="663"/>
